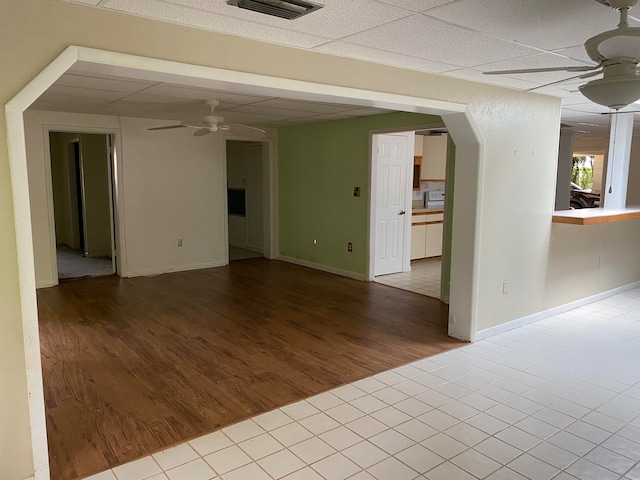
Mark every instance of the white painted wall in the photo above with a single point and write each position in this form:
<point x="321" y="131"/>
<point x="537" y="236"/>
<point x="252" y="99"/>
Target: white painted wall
<point x="172" y="186"/>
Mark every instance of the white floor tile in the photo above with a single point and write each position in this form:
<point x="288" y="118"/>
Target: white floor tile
<point x="498" y="450"/>
<point x="300" y="410"/>
<point x="533" y="468"/>
<point x="475" y="463"/>
<point x="291" y="434"/>
<point x="312" y="450"/>
<point x="175" y="456"/>
<point x="228" y="459"/>
<point x="585" y="470"/>
<point x="341" y="438"/>
<point x="391" y="441"/>
<point x="281" y="463"/>
<point x="138" y="469"/>
<point x="553" y="455"/>
<point x="392" y="469"/>
<point x="610" y="460"/>
<point x="419" y="458"/>
<point x="195" y="470"/>
<point x="415" y="430"/>
<point x="365" y="454"/>
<point x="248" y="472"/>
<point x="260" y="446"/>
<point x="466" y="434"/>
<point x="444" y="445"/>
<point x="272" y="420"/>
<point x="448" y="471"/>
<point x="243" y="431"/>
<point x="210" y="443"/>
<point x="336" y="467"/>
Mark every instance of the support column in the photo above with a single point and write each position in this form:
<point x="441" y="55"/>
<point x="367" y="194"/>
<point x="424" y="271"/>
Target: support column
<point x="565" y="162"/>
<point x="615" y="188"/>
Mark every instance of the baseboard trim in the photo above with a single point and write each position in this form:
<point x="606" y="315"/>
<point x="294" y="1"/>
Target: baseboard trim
<point x="324" y="268"/>
<point x="536" y="317"/>
<point x="176" y="268"/>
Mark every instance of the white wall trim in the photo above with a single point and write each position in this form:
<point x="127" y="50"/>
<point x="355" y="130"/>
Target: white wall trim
<point x="14" y="114"/>
<point x="152" y="272"/>
<point x="323" y="268"/>
<point x="536" y="317"/>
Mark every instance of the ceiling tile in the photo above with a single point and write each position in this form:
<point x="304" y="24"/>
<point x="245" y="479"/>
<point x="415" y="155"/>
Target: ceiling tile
<point x="345" y="49"/>
<point x="96" y="83"/>
<point x="418" y="5"/>
<point x="310" y="107"/>
<point x="210" y="21"/>
<point x="578" y="53"/>
<point x="89" y="94"/>
<point x="87" y="2"/>
<point x="428" y="38"/>
<point x="337" y="19"/>
<point x="547" y="24"/>
<point x="255" y="109"/>
<point x="177" y="91"/>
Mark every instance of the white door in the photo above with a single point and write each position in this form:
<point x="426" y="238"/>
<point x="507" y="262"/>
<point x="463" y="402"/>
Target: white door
<point x="391" y="160"/>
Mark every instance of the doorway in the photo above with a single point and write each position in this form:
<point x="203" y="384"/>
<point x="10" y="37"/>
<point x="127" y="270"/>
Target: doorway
<point x="247" y="207"/>
<point x="431" y="172"/>
<point x="82" y="185"/>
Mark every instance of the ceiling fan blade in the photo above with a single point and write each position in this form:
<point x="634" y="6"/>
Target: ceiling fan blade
<point x="245" y="129"/>
<point x="196" y="124"/>
<point x="167" y="127"/>
<point x="617" y="112"/>
<point x="592" y="74"/>
<point x="201" y="132"/>
<point x="542" y="70"/>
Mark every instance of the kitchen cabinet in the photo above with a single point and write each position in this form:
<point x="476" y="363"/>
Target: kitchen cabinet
<point x="434" y="157"/>
<point x="426" y="234"/>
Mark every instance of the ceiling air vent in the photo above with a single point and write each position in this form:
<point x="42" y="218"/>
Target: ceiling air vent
<point x="289" y="9"/>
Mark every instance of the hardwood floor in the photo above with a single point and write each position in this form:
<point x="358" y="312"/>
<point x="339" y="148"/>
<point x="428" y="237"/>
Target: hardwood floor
<point x="132" y="366"/>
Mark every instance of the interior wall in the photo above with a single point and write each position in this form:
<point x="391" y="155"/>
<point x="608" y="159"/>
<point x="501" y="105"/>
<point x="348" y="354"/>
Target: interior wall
<point x="66" y="229"/>
<point x="245" y="170"/>
<point x="497" y="236"/>
<point x="95" y="169"/>
<point x="172" y="186"/>
<point x="319" y="166"/>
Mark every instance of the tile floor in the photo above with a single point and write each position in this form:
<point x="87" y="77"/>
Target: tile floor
<point x="73" y="264"/>
<point x="424" y="278"/>
<point x="558" y="399"/>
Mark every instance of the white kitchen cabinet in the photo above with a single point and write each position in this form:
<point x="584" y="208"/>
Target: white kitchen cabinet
<point x="434" y="158"/>
<point x="426" y="235"/>
<point x="433" y="241"/>
<point x="418" y="241"/>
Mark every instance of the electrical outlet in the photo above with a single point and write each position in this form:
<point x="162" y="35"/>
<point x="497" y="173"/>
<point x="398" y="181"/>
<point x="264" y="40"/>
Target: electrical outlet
<point x="356" y="191"/>
<point x="505" y="288"/>
<point x="180" y="241"/>
<point x="350" y="247"/>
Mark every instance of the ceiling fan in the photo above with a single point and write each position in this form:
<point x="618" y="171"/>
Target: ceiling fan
<point x="213" y="123"/>
<point x="617" y="53"/>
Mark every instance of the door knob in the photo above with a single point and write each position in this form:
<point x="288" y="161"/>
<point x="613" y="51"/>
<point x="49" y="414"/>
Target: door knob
<point x="402" y="212"/>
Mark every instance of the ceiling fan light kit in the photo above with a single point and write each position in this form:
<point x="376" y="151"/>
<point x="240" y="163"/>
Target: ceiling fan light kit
<point x="617" y="53"/>
<point x="617" y="89"/>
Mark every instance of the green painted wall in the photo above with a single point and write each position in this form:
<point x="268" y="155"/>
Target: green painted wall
<point x="318" y="167"/>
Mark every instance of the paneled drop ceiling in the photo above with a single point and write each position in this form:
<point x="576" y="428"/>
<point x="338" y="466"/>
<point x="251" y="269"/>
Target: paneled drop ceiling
<point x="458" y="38"/>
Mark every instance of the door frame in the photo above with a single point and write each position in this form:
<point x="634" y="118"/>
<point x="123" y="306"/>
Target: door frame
<point x="115" y="201"/>
<point x="270" y="246"/>
<point x="371" y="207"/>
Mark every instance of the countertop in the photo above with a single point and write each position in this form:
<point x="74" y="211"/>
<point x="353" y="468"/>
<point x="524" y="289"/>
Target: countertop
<point x="422" y="211"/>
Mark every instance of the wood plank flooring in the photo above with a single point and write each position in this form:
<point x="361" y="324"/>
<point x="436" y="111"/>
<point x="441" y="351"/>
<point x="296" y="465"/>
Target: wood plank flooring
<point x="132" y="366"/>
